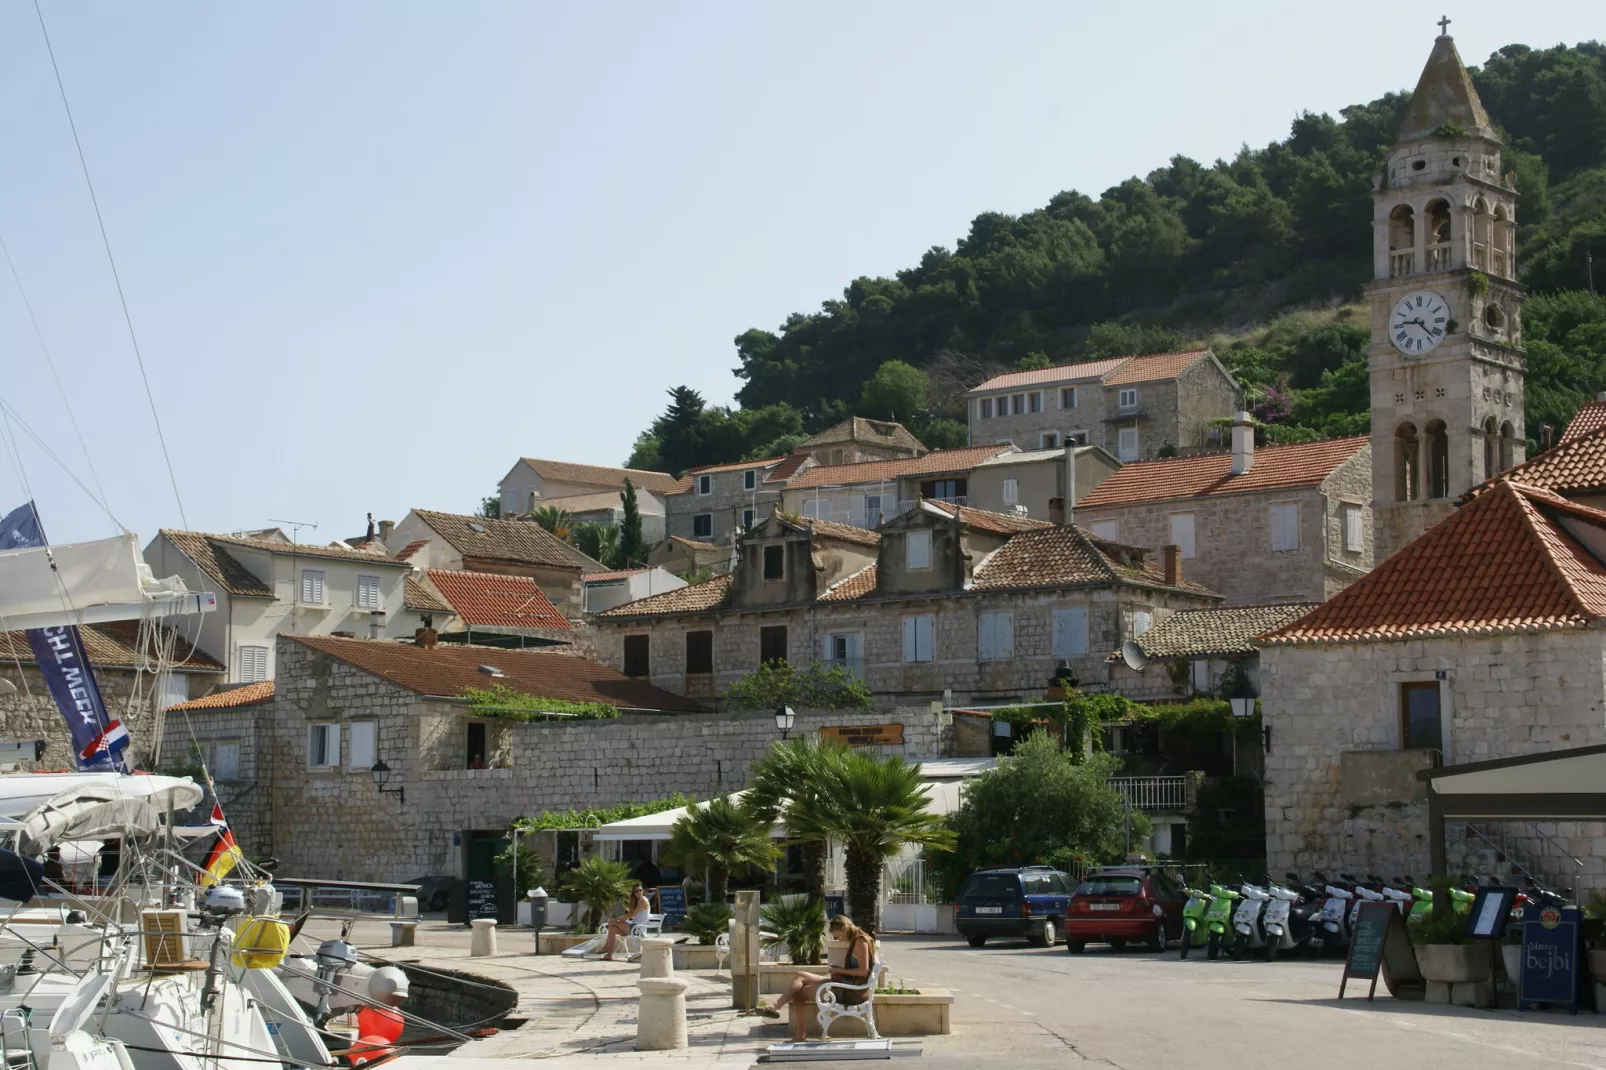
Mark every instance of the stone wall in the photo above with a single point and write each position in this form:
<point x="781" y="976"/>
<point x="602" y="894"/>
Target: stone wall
<point x="192" y="736"/>
<point x="30" y="714"/>
<point x="1204" y="393"/>
<point x="1503" y="696"/>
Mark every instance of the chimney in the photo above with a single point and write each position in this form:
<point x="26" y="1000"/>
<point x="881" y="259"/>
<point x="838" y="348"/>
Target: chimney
<point x="426" y="637"/>
<point x="1056" y="511"/>
<point x="1243" y="443"/>
<point x="385" y="528"/>
<point x="1069" y="490"/>
<point x="1173" y="566"/>
<point x="1545" y="434"/>
<point x="1601" y="396"/>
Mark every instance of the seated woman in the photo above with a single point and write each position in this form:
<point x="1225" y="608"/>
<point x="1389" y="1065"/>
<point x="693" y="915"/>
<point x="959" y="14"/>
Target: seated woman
<point x="635" y="914"/>
<point x="855" y="969"/>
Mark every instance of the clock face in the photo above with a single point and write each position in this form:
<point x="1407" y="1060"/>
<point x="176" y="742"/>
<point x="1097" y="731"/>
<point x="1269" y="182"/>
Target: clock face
<point x="1418" y="323"/>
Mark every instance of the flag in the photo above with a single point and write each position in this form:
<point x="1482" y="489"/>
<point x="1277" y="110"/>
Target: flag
<point x="226" y="853"/>
<point x="112" y="740"/>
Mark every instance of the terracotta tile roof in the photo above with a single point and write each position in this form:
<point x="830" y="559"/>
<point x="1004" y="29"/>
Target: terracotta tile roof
<point x="697" y="544"/>
<point x="693" y="598"/>
<point x="788" y="467"/>
<point x="1154" y="367"/>
<point x="1062" y="373"/>
<point x="1502" y="563"/>
<point x="233" y="698"/>
<point x="1213" y="632"/>
<point x="875" y="432"/>
<point x="1574" y="466"/>
<point x="1591" y="417"/>
<point x="491" y="600"/>
<point x="600" y="475"/>
<point x="617" y="574"/>
<point x="444" y="671"/>
<point x="1068" y="556"/>
<point x="377" y="556"/>
<point x="1302" y="464"/>
<point x="115" y="645"/>
<point x="418" y="596"/>
<point x="231" y="577"/>
<point x="521" y="542"/>
<point x="858" y="585"/>
<point x="842" y="475"/>
<point x="411" y="548"/>
<point x="982" y="519"/>
<point x="734" y="466"/>
<point x="846" y="532"/>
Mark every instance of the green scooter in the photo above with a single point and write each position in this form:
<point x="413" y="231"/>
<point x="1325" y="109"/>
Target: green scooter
<point x="1195" y="932"/>
<point x="1218" y="919"/>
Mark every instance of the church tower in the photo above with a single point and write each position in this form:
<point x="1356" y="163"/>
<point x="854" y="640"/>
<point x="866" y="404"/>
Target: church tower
<point x="1446" y="357"/>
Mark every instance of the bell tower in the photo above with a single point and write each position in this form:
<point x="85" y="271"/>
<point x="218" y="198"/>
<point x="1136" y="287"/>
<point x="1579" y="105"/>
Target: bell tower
<point x="1446" y="357"/>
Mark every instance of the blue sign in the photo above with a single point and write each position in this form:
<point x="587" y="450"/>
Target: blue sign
<point x="834" y="905"/>
<point x="672" y="904"/>
<point x="1551" y="950"/>
<point x="98" y="741"/>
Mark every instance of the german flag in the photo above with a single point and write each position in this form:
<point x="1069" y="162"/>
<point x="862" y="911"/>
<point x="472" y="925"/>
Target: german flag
<point x="226" y="853"/>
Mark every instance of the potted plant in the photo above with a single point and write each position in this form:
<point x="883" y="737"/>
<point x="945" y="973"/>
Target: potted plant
<point x="1444" y="951"/>
<point x="599" y="884"/>
<point x="798" y="923"/>
<point x="706" y="921"/>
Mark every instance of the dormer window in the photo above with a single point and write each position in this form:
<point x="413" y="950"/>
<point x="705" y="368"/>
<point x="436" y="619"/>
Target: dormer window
<point x="774" y="562"/>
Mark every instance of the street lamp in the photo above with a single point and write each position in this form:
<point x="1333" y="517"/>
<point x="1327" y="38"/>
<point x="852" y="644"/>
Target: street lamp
<point x="1243" y="705"/>
<point x="382" y="774"/>
<point x="784" y="720"/>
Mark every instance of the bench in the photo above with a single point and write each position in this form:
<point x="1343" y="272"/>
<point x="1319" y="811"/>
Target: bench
<point x="653" y="926"/>
<point x="829" y="1006"/>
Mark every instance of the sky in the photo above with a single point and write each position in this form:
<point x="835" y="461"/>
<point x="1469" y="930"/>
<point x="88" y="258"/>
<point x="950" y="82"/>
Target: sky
<point x="376" y="251"/>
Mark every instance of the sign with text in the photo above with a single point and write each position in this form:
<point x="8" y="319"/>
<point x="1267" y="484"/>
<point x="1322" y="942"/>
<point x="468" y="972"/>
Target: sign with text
<point x="672" y="904"/>
<point x="482" y="900"/>
<point x="865" y="735"/>
<point x="1491" y="911"/>
<point x="835" y="904"/>
<point x="1365" y="959"/>
<point x="1551" y="950"/>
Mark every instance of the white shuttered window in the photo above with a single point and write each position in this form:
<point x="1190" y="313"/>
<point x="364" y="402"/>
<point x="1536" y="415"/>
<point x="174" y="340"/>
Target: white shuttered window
<point x="252" y="663"/>
<point x="1106" y="529"/>
<point x="917" y="549"/>
<point x="1354" y="538"/>
<point x="1070" y="632"/>
<point x="917" y="637"/>
<point x="1011" y="492"/>
<point x="1182" y="532"/>
<point x="1284" y="521"/>
<point x="996" y="641"/>
<point x="312" y="586"/>
<point x="323" y="745"/>
<point x="368" y="592"/>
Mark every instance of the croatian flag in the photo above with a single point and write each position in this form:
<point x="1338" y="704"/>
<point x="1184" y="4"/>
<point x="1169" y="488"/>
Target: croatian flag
<point x="113" y="740"/>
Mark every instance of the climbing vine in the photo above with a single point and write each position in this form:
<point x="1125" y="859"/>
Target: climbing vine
<point x="508" y="704"/>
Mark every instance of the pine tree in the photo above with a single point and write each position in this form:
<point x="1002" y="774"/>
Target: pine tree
<point x="632" y="551"/>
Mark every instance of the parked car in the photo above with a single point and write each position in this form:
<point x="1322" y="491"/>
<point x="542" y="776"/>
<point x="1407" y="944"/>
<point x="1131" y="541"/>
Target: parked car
<point x="434" y="893"/>
<point x="1023" y="902"/>
<point x="1124" y="903"/>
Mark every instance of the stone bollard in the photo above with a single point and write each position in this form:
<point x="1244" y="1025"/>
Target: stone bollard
<point x="657" y="957"/>
<point x="483" y="941"/>
<point x="661" y="1019"/>
<point x="403" y="933"/>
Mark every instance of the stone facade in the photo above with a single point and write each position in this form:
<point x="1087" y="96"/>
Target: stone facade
<point x="1339" y="796"/>
<point x="1038" y="477"/>
<point x="29" y="714"/>
<point x="719" y="503"/>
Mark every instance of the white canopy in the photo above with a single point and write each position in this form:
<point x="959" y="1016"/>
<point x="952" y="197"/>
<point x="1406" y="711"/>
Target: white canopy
<point x="121" y="806"/>
<point x="88" y="583"/>
<point x="23" y="793"/>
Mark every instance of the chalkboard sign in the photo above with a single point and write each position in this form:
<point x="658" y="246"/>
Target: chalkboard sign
<point x="482" y="899"/>
<point x="1551" y="949"/>
<point x="834" y="905"/>
<point x="1366" y="944"/>
<point x="672" y="904"/>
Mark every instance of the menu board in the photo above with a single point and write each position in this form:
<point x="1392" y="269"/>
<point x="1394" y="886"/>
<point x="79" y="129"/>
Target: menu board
<point x="1366" y="945"/>
<point x="834" y="905"/>
<point x="672" y="904"/>
<point x="482" y="902"/>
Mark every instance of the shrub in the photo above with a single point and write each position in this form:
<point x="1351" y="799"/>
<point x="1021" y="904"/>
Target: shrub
<point x="599" y="883"/>
<point x="706" y="921"/>
<point x="504" y="702"/>
<point x="779" y="683"/>
<point x="799" y="924"/>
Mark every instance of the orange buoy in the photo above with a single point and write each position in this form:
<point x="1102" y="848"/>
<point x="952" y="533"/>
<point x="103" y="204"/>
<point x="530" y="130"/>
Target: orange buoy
<point x="369" y="1049"/>
<point x="385" y="1023"/>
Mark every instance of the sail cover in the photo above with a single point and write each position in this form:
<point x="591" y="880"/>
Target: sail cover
<point x="100" y="573"/>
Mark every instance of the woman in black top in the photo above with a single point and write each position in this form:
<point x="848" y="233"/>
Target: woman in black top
<point x="855" y="969"/>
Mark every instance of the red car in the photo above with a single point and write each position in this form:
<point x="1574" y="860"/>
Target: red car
<point x="1124" y="903"/>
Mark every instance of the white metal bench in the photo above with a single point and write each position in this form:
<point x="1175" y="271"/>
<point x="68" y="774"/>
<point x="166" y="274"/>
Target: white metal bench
<point x="768" y="951"/>
<point x="829" y="1006"/>
<point x="653" y="926"/>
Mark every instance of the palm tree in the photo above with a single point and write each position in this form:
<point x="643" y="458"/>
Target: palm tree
<point x="553" y="518"/>
<point x="720" y="838"/>
<point x="600" y="542"/>
<point x="874" y="807"/>
<point x="786" y="787"/>
<point x="599" y="883"/>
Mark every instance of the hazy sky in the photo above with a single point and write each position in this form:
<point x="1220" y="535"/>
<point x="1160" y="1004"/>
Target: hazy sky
<point x="376" y="251"/>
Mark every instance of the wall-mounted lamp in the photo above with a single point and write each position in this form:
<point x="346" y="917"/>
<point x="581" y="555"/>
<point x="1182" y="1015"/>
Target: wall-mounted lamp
<point x="784" y="720"/>
<point x="382" y="774"/>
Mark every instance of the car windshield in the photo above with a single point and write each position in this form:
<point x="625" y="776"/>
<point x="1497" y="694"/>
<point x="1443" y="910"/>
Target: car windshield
<point x="1110" y="886"/>
<point x="992" y="886"/>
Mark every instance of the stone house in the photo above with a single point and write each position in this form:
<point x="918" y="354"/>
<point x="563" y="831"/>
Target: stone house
<point x="426" y="539"/>
<point x="1280" y="524"/>
<point x="1191" y="652"/>
<point x="266" y="584"/>
<point x="1481" y="639"/>
<point x="534" y="482"/>
<point x="604" y="590"/>
<point x="1134" y="407"/>
<point x="123" y="671"/>
<point x="944" y="601"/>
<point x="858" y="439"/>
<point x="689" y="557"/>
<point x="492" y="609"/>
<point x="865" y="493"/>
<point x="607" y="507"/>
<point x="716" y="502"/>
<point x="304" y="747"/>
<point x="1028" y="481"/>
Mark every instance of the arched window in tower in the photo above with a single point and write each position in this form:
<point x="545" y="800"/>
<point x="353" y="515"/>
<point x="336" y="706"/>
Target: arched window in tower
<point x="1482" y="234"/>
<point x="1438" y="481"/>
<point x="1500" y="244"/>
<point x="1402" y="241"/>
<point x="1508" y="446"/>
<point x="1438" y="235"/>
<point x="1491" y="449"/>
<point x="1494" y="319"/>
<point x="1407" y="463"/>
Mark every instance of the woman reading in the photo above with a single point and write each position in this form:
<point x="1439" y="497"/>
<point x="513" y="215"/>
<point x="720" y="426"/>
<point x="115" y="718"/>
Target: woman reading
<point x="855" y="970"/>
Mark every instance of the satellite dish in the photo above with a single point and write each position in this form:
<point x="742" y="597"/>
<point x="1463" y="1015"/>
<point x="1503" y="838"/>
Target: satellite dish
<point x="1133" y="655"/>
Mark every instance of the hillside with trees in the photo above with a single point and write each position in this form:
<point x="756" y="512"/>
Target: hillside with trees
<point x="1262" y="256"/>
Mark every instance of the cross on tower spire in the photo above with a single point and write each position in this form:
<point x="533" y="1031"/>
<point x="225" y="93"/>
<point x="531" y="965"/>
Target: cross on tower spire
<point x="1444" y="26"/>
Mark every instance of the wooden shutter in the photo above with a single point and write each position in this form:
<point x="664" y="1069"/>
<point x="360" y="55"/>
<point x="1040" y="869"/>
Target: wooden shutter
<point x="1070" y="632"/>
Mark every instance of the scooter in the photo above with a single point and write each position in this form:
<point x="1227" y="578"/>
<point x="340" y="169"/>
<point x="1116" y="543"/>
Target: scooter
<point x="1368" y="891"/>
<point x="1195" y="930"/>
<point x="1334" y="917"/>
<point x="1401" y="898"/>
<point x="1248" y="921"/>
<point x="1286" y="920"/>
<point x="1218" y="919"/>
<point x="1460" y="899"/>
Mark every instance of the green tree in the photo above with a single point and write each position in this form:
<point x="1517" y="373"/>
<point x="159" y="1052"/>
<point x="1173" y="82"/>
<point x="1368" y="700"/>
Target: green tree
<point x="779" y="683"/>
<point x="490" y="507"/>
<point x="721" y="838"/>
<point x="599" y="883"/>
<point x="554" y="518"/>
<point x="632" y="547"/>
<point x="1127" y="339"/>
<point x="1034" y="361"/>
<point x="897" y="391"/>
<point x="598" y="541"/>
<point x="787" y="787"/>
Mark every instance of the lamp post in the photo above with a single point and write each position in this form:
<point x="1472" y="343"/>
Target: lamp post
<point x="784" y="720"/>
<point x="382" y="774"/>
<point x="1243" y="705"/>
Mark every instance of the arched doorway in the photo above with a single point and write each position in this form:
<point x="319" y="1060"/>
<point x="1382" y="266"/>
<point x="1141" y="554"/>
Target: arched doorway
<point x="1407" y="463"/>
<point x="1438" y="449"/>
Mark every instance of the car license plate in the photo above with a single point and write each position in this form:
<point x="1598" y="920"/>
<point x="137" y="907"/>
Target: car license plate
<point x="989" y="910"/>
<point x="1104" y="906"/>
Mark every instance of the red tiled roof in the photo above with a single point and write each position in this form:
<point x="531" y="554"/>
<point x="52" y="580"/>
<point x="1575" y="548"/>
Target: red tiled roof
<point x="1195" y="633"/>
<point x="249" y="695"/>
<point x="1068" y="556"/>
<point x="1301" y="464"/>
<point x="417" y="596"/>
<point x="842" y="475"/>
<point x="444" y="672"/>
<point x="600" y="475"/>
<point x="846" y="532"/>
<point x="1591" y="417"/>
<point x="231" y="577"/>
<point x="693" y="598"/>
<point x="520" y="542"/>
<point x="618" y="574"/>
<point x="1062" y="373"/>
<point x="411" y="548"/>
<point x="491" y="600"/>
<point x="734" y="466"/>
<point x="1570" y="467"/>
<point x="115" y="645"/>
<point x="858" y="585"/>
<point x="984" y="520"/>
<point x="1501" y="563"/>
<point x="378" y="555"/>
<point x="1153" y="367"/>
<point x="788" y="467"/>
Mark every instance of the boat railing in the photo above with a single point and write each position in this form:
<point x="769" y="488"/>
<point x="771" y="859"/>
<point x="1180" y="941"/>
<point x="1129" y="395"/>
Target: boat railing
<point x="347" y="899"/>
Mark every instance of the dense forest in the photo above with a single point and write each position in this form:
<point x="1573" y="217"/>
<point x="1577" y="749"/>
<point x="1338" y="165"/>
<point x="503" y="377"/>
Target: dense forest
<point x="1261" y="256"/>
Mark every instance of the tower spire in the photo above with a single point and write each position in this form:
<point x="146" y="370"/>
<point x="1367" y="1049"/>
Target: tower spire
<point x="1445" y="96"/>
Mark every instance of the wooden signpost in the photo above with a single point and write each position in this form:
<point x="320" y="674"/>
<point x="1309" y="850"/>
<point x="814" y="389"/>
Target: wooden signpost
<point x="865" y="735"/>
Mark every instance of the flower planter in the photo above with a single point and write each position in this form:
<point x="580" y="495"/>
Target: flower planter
<point x="693" y="956"/>
<point x="927" y="1014"/>
<point x="1453" y="963"/>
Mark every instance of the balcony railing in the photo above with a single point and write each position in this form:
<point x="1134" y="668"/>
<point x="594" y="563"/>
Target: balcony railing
<point x="1402" y="262"/>
<point x="1153" y="792"/>
<point x="1438" y="257"/>
<point x="1494" y="261"/>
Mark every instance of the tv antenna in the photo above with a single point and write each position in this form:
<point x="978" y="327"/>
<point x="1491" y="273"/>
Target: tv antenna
<point x="295" y="527"/>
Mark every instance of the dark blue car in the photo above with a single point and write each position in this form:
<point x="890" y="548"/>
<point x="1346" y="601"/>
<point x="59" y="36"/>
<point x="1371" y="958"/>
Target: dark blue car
<point x="1026" y="902"/>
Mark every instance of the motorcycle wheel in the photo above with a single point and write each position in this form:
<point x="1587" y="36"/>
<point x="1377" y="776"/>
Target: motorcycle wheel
<point x="1268" y="950"/>
<point x="1187" y="942"/>
<point x="1158" y="941"/>
<point x="1212" y="947"/>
